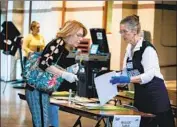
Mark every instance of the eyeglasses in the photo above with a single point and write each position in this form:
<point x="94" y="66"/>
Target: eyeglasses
<point x="123" y="31"/>
<point x="79" y="35"/>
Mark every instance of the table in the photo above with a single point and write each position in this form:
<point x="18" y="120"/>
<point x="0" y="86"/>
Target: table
<point x="98" y="115"/>
<point x="171" y="88"/>
<point x="123" y="96"/>
<point x="95" y="114"/>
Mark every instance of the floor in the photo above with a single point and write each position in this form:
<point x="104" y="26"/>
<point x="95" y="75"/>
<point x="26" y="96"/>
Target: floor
<point x="15" y="112"/>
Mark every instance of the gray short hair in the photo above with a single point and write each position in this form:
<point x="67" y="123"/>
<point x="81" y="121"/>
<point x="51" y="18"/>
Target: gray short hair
<point x="132" y="22"/>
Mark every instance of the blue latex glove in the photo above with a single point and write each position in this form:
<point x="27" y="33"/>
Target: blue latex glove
<point x="120" y="79"/>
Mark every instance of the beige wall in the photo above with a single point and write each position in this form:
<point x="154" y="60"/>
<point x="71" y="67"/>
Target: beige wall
<point x="114" y="38"/>
<point x="90" y="13"/>
<point x="18" y="21"/>
<point x="146" y="16"/>
<point x="165" y="40"/>
<point x="48" y="14"/>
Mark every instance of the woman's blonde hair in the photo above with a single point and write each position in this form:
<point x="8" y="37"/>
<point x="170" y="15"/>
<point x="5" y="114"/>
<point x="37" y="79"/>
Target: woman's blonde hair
<point x="33" y="24"/>
<point x="70" y="28"/>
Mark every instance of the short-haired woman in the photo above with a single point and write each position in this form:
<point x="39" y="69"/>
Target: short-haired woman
<point x="142" y="65"/>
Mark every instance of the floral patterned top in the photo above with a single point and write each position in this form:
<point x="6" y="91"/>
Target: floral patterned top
<point x="54" y="50"/>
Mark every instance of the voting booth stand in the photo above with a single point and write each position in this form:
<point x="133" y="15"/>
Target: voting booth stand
<point x="93" y="63"/>
<point x="86" y="86"/>
<point x="10" y="43"/>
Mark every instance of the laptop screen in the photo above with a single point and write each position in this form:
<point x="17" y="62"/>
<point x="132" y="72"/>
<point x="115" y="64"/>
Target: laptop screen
<point x="94" y="49"/>
<point x="99" y="37"/>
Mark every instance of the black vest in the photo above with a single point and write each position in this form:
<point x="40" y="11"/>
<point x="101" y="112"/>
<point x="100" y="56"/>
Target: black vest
<point x="137" y="57"/>
<point x="151" y="97"/>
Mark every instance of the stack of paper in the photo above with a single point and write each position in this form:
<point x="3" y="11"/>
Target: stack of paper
<point x="78" y="99"/>
<point x="89" y="104"/>
<point x="129" y="94"/>
<point x="60" y="97"/>
<point x="62" y="93"/>
<point x="106" y="108"/>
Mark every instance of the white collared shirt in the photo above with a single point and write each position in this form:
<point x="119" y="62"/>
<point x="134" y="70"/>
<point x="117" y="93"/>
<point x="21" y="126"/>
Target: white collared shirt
<point x="149" y="62"/>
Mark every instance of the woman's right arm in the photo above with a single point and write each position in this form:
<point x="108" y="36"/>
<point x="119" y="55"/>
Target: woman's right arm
<point x="54" y="70"/>
<point x="48" y="57"/>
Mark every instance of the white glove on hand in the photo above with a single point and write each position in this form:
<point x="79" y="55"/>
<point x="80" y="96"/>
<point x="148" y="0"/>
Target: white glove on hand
<point x="73" y="68"/>
<point x="69" y="77"/>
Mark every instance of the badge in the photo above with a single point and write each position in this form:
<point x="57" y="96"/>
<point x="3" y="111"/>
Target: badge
<point x="134" y="72"/>
<point x="129" y="65"/>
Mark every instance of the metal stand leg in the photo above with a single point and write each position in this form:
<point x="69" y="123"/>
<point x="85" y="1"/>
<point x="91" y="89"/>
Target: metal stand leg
<point x="107" y="122"/>
<point x="22" y="68"/>
<point x="78" y="122"/>
<point x="98" y="123"/>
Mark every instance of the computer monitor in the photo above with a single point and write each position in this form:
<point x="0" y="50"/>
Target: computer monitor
<point x="98" y="36"/>
<point x="94" y="49"/>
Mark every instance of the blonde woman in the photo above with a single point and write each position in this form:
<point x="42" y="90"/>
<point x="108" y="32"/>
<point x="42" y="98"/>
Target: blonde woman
<point x="68" y="38"/>
<point x="33" y="42"/>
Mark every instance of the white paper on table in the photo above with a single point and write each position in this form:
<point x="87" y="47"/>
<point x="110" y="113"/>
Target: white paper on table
<point x="105" y="89"/>
<point x="89" y="104"/>
<point x="126" y="121"/>
<point x="52" y="100"/>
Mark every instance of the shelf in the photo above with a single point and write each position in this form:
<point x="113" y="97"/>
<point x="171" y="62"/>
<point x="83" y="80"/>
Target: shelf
<point x="84" y="45"/>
